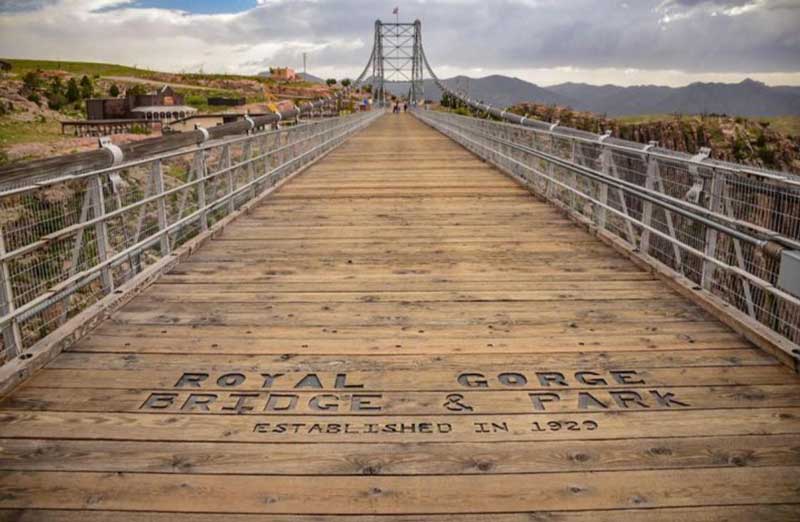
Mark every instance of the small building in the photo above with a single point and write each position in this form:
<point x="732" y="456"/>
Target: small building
<point x="283" y="74"/>
<point x="162" y="105"/>
<point x="107" y="109"/>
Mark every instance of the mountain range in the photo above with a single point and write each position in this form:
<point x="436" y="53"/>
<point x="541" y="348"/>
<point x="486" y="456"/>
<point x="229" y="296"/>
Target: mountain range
<point x="747" y="98"/>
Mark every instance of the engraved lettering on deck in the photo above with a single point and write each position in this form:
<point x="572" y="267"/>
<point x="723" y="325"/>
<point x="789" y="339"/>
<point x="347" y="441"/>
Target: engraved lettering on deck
<point x="590" y="379"/>
<point x="548" y="378"/>
<point x="341" y="382"/>
<point x="540" y="399"/>
<point x="269" y="379"/>
<point x="667" y="399"/>
<point x="325" y="402"/>
<point x="309" y="381"/>
<point x="159" y="401"/>
<point x="625" y="376"/>
<point x="230" y="380"/>
<point x="191" y="380"/>
<point x="281" y="402"/>
<point x="241" y="405"/>
<point x="199" y="401"/>
<point x="512" y="379"/>
<point x="588" y="401"/>
<point x="363" y="402"/>
<point x="473" y="380"/>
<point x="624" y="398"/>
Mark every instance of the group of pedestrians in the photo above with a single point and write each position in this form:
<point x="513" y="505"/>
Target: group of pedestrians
<point x="396" y="109"/>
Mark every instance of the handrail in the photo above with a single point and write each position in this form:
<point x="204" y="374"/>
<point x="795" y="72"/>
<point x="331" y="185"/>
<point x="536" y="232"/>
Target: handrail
<point x="97" y="159"/>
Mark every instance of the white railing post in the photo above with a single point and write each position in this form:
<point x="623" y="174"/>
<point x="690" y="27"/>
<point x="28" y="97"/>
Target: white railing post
<point x="158" y="186"/>
<point x="226" y="164"/>
<point x="200" y="170"/>
<point x="101" y="230"/>
<point x="605" y="167"/>
<point x="12" y="336"/>
<point x="715" y="205"/>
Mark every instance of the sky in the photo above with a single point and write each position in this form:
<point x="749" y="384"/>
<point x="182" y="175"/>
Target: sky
<point x="625" y="42"/>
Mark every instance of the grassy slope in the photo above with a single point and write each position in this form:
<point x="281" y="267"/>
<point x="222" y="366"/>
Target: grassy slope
<point x="102" y="69"/>
<point x="14" y="132"/>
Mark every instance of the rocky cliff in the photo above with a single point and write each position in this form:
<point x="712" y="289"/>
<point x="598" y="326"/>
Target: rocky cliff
<point x="740" y="140"/>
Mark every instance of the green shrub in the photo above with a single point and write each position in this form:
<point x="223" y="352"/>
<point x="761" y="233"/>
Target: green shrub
<point x="56" y="101"/>
<point x="73" y="93"/>
<point x="31" y="81"/>
<point x="35" y="98"/>
<point x="87" y="88"/>
<point x="139" y="129"/>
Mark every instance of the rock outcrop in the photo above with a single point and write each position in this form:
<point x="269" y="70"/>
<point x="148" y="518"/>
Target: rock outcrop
<point x="739" y="140"/>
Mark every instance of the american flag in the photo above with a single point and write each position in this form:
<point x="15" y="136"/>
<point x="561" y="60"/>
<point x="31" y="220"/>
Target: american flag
<point x="396" y="10"/>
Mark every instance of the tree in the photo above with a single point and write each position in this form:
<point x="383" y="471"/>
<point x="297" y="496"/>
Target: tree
<point x="31" y="81"/>
<point x="346" y="82"/>
<point x="87" y="89"/>
<point x="56" y="86"/>
<point x="73" y="93"/>
<point x="56" y="101"/>
<point x="331" y="82"/>
<point x="113" y="91"/>
<point x="136" y="90"/>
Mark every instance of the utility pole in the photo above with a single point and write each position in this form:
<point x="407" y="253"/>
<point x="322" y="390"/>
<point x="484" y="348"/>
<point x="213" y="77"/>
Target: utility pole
<point x="304" y="64"/>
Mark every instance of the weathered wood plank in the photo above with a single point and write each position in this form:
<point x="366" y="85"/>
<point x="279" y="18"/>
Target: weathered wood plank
<point x="398" y="459"/>
<point x="429" y="429"/>
<point x="148" y="374"/>
<point x="398" y="495"/>
<point x="326" y="400"/>
<point x="498" y="362"/>
<point x="740" y="513"/>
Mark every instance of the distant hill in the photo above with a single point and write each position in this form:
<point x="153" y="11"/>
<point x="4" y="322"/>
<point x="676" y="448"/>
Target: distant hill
<point x="496" y="90"/>
<point x="747" y="98"/>
<point x="310" y="78"/>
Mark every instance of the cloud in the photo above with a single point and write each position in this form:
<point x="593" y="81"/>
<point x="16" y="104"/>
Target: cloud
<point x="693" y="37"/>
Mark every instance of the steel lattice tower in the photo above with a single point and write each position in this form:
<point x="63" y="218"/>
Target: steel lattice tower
<point x="398" y="57"/>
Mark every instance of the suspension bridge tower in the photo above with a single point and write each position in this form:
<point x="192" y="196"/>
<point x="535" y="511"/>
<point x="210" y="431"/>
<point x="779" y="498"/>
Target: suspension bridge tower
<point x="397" y="57"/>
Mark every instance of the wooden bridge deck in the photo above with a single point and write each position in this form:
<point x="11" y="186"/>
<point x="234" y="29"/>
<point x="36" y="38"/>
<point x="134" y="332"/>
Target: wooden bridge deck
<point x="404" y="332"/>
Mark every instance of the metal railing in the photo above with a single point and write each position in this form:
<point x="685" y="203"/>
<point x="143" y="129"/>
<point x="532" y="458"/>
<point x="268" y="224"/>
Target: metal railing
<point x="722" y="226"/>
<point x="68" y="241"/>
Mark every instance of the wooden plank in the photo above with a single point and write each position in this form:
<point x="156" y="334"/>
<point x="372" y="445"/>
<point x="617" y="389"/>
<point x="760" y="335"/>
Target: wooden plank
<point x="398" y="459"/>
<point x="154" y="339"/>
<point x="146" y="374"/>
<point x="401" y="429"/>
<point x="498" y="362"/>
<point x="400" y="495"/>
<point x="338" y="314"/>
<point x="740" y="513"/>
<point x="326" y="400"/>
